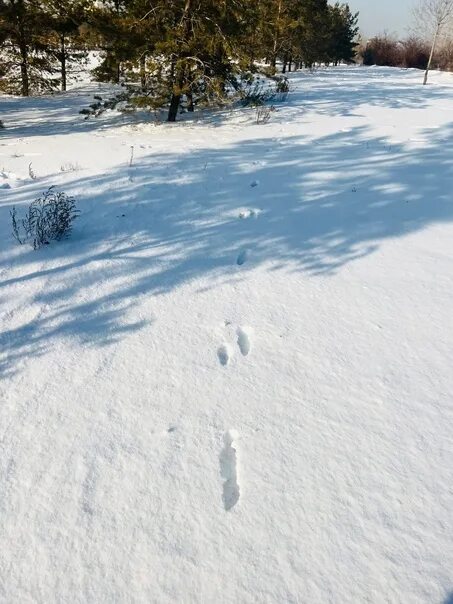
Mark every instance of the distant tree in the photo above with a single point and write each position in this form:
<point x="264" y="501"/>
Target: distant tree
<point x="23" y="28"/>
<point x="276" y="23"/>
<point x="433" y="17"/>
<point x="382" y="50"/>
<point x="343" y="31"/>
<point x="444" y="55"/>
<point x="311" y="35"/>
<point x="108" y="31"/>
<point x="415" y="52"/>
<point x="169" y="53"/>
<point x="64" y="43"/>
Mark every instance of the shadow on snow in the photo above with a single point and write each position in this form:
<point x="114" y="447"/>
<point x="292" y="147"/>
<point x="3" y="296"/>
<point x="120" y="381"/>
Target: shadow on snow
<point x="323" y="204"/>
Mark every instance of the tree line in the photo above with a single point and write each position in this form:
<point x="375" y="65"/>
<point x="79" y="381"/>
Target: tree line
<point x="410" y="52"/>
<point x="196" y="49"/>
<point x="429" y="45"/>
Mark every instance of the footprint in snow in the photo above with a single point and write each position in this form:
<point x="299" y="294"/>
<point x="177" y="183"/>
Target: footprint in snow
<point x="223" y="354"/>
<point x="228" y="469"/>
<point x="243" y="341"/>
<point x="242" y="258"/>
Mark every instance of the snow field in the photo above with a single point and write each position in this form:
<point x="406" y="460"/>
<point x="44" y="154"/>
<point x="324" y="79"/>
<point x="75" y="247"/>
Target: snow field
<point x="233" y="382"/>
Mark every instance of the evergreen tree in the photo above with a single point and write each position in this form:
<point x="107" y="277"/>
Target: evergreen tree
<point x="311" y="33"/>
<point x="64" y="42"/>
<point x="343" y="32"/>
<point x="116" y="29"/>
<point x="174" y="53"/>
<point x="23" y="27"/>
<point x="200" y="42"/>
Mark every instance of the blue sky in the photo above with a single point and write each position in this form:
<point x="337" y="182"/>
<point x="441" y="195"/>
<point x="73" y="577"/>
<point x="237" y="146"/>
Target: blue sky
<point x="379" y="15"/>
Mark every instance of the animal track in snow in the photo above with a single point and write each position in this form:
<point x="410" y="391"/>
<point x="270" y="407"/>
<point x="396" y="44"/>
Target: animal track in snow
<point x="224" y="355"/>
<point x="243" y="341"/>
<point x="228" y="469"/>
<point x="88" y="498"/>
<point x="242" y="258"/>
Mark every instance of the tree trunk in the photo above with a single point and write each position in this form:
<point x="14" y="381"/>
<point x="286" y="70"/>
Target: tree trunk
<point x="173" y="109"/>
<point x="276" y="35"/>
<point x="180" y="78"/>
<point x="176" y="97"/>
<point x="285" y="63"/>
<point x="25" y="80"/>
<point x="190" y="105"/>
<point x="63" y="62"/>
<point x="431" y="54"/>
<point x="143" y="71"/>
<point x="24" y="75"/>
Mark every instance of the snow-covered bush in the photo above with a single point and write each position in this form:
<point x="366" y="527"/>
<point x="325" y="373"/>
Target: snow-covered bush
<point x="48" y="218"/>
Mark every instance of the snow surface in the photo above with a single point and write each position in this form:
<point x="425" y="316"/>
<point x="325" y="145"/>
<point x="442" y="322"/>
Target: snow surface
<point x="233" y="383"/>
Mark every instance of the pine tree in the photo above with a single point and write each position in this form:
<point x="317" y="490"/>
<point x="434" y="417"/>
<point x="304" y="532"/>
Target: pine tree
<point x="112" y="28"/>
<point x="24" y="27"/>
<point x="295" y="31"/>
<point x="177" y="53"/>
<point x="64" y="42"/>
<point x="343" y="32"/>
<point x="201" y="44"/>
<point x="312" y="31"/>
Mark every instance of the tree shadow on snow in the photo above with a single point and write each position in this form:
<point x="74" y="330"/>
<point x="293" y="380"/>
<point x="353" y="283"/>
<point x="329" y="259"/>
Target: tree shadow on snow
<point x="57" y="114"/>
<point x="335" y="91"/>
<point x="341" y="91"/>
<point x="174" y="218"/>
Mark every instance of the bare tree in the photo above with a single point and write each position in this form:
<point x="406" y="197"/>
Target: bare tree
<point x="433" y="16"/>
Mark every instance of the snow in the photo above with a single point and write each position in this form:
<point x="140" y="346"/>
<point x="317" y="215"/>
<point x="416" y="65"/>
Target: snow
<point x="233" y="382"/>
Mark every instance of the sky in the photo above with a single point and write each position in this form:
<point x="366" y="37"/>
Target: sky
<point x="393" y="16"/>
